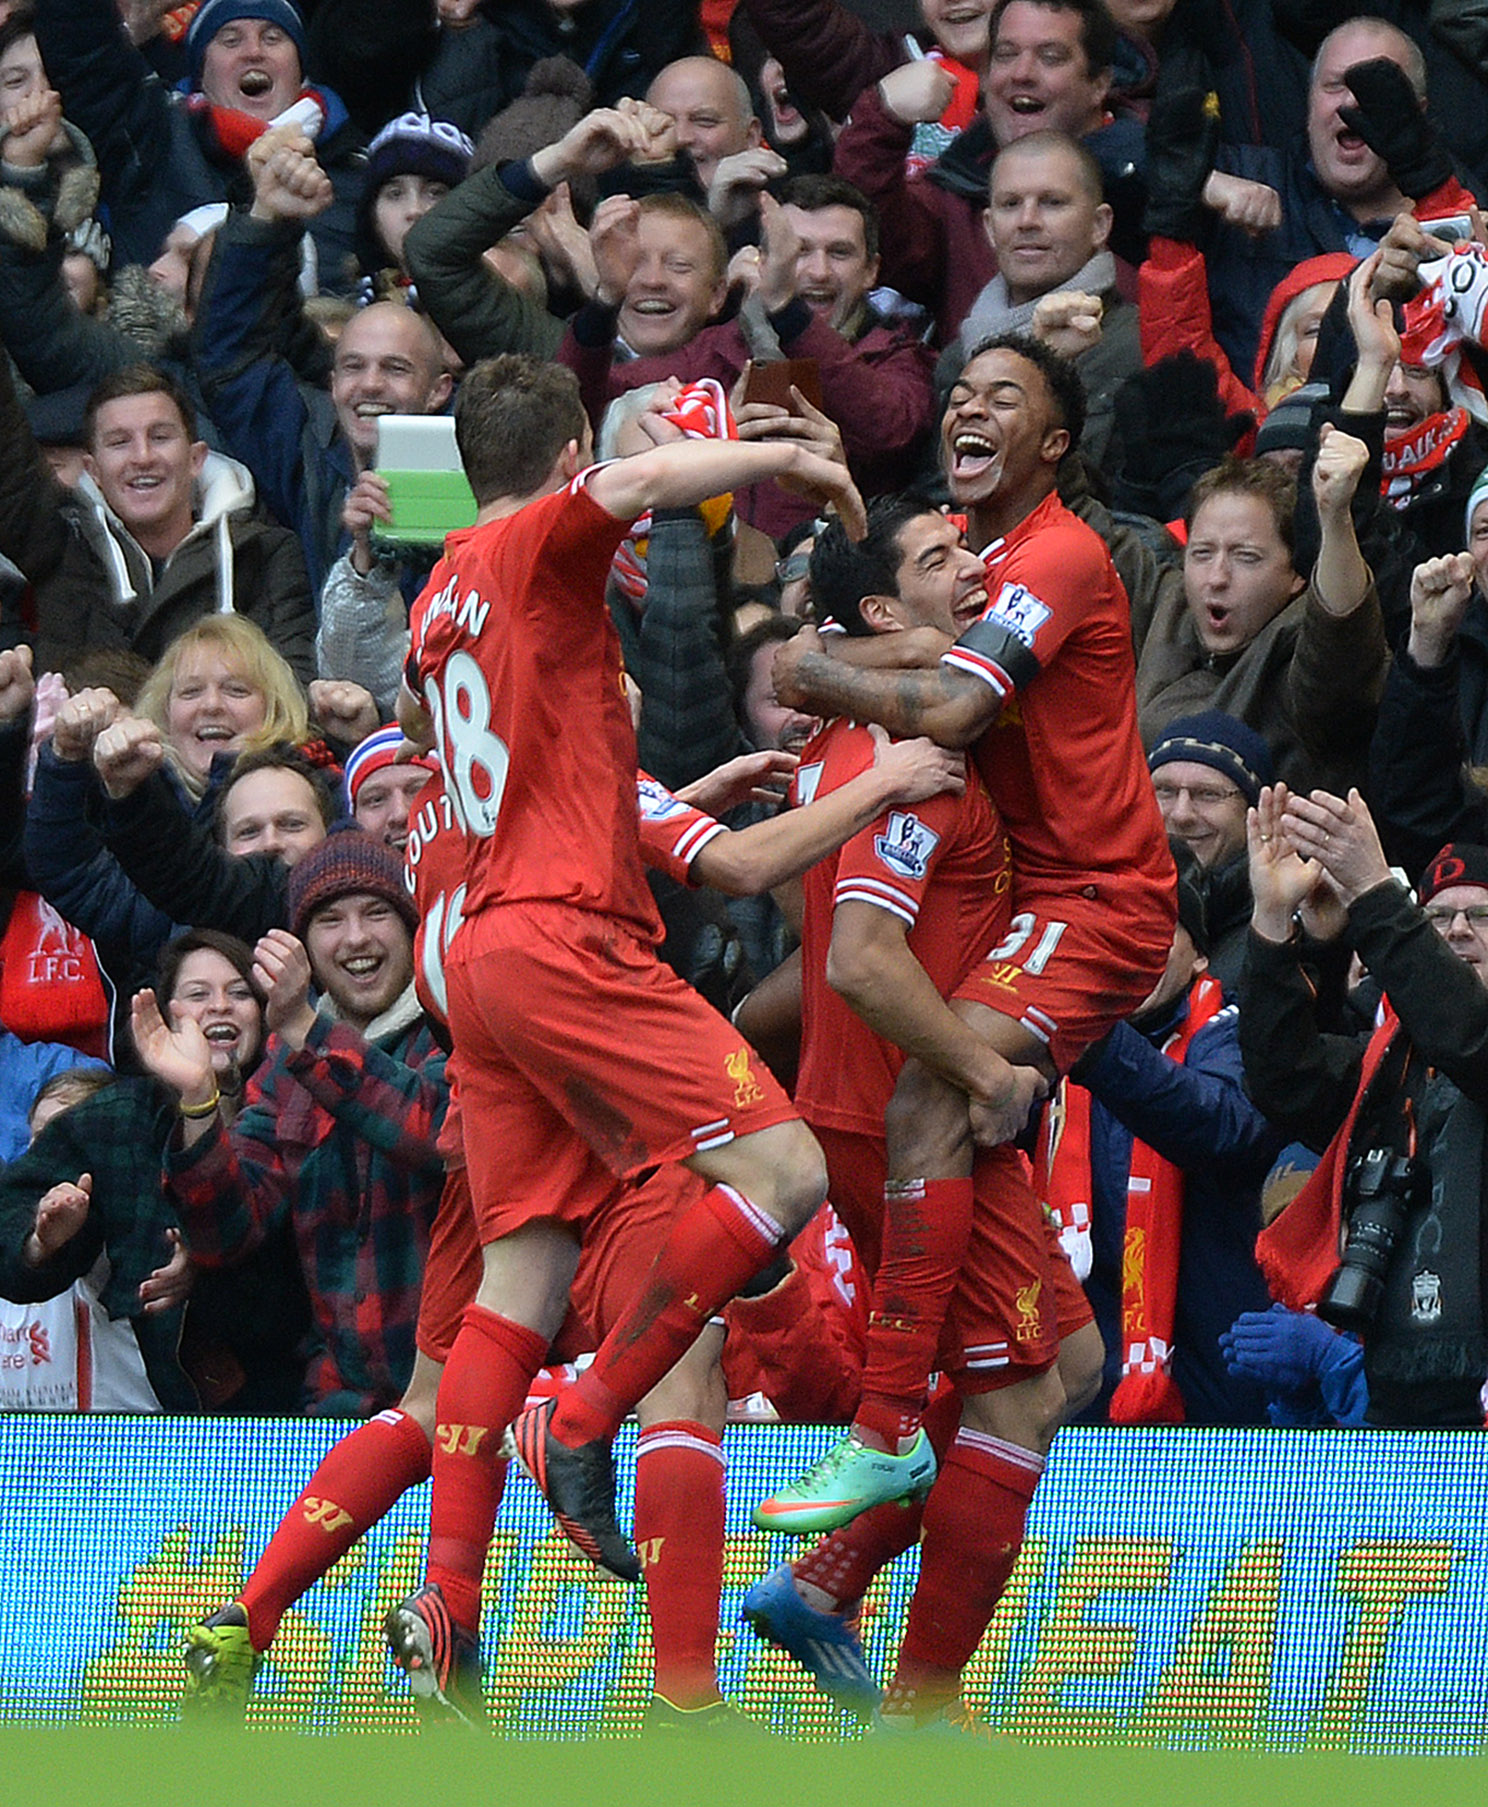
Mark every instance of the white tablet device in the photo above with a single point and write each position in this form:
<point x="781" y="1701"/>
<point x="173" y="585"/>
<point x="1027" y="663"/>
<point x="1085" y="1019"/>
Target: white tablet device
<point x="427" y="487"/>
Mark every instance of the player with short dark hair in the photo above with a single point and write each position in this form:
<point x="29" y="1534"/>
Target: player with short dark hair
<point x="892" y="925"/>
<point x="584" y="1059"/>
<point x="1042" y="685"/>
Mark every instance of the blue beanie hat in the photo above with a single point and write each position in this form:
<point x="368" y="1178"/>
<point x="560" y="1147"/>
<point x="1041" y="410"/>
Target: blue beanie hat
<point x="1219" y="741"/>
<point x="214" y="14"/>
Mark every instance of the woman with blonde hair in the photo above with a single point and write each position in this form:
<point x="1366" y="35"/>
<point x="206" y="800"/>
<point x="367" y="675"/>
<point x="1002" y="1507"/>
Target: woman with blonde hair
<point x="221" y="688"/>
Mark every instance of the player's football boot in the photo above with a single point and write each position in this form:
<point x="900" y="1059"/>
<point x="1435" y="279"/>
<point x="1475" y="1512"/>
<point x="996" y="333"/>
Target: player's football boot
<point x="579" y="1486"/>
<point x="719" y="1719"/>
<point x="220" y="1664"/>
<point x="440" y="1658"/>
<point x="905" y="1713"/>
<point x="824" y="1644"/>
<point x="848" y="1480"/>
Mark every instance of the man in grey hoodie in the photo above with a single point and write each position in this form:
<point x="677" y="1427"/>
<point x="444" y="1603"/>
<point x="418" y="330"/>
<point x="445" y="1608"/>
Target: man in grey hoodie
<point x="158" y="532"/>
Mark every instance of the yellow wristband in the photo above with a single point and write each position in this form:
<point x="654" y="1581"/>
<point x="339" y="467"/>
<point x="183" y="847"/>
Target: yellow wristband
<point x="201" y="1110"/>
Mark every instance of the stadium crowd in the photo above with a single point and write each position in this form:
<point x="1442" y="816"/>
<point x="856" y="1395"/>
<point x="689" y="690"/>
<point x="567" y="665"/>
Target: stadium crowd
<point x="1042" y="510"/>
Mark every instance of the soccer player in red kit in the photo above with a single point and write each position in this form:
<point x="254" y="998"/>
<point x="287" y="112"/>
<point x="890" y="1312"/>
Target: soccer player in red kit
<point x="679" y="1471"/>
<point x="1042" y="688"/>
<point x="581" y="1058"/>
<point x="892" y="924"/>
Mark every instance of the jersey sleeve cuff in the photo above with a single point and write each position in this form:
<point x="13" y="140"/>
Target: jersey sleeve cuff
<point x="962" y="658"/>
<point x="903" y="904"/>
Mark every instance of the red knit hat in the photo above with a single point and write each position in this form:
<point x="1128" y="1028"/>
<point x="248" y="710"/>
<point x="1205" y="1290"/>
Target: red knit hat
<point x="347" y="863"/>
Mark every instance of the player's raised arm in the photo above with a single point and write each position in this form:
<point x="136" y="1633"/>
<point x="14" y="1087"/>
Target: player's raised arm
<point x="687" y="473"/>
<point x="766" y="854"/>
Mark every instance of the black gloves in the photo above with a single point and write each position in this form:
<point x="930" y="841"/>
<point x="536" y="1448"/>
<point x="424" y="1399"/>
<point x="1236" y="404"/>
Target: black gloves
<point x="1171" y="427"/>
<point x="1182" y="137"/>
<point x="1393" y="123"/>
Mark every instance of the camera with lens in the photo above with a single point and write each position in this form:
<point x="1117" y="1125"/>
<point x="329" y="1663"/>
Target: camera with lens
<point x="1380" y="1191"/>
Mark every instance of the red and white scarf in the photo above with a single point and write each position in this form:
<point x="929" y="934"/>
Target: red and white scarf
<point x="1146" y="1393"/>
<point x="701" y="410"/>
<point x="236" y="131"/>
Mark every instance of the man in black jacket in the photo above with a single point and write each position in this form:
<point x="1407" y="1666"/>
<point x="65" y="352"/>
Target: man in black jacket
<point x="1401" y="1123"/>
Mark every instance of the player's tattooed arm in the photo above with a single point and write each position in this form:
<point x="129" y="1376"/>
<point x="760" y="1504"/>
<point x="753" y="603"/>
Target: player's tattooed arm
<point x="948" y="706"/>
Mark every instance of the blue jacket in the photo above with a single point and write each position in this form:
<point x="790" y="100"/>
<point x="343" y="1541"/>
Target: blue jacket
<point x="25" y="1067"/>
<point x="71" y="865"/>
<point x="285" y="433"/>
<point x="157" y="155"/>
<point x="1198" y="1116"/>
<point x="287" y="436"/>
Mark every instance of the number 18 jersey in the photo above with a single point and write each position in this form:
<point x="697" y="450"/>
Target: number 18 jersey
<point x="517" y="663"/>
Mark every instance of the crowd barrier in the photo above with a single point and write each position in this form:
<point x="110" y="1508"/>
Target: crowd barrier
<point x="1179" y="1588"/>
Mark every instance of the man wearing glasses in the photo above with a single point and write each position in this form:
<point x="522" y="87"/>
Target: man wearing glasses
<point x="1207" y="771"/>
<point x="1385" y="1240"/>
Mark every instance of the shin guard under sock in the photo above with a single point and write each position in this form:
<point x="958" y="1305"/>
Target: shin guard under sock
<point x="358" y="1481"/>
<point x="926" y="1230"/>
<point x="973" y="1531"/>
<point x="711" y="1250"/>
<point x="679" y="1538"/>
<point x="485" y="1383"/>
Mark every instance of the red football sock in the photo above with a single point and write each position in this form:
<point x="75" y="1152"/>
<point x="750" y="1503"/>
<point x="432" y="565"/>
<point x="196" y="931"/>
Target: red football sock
<point x="926" y="1229"/>
<point x="712" y="1249"/>
<point x="973" y="1532"/>
<point x="485" y="1382"/>
<point x="679" y="1536"/>
<point x="844" y="1564"/>
<point x="358" y="1481"/>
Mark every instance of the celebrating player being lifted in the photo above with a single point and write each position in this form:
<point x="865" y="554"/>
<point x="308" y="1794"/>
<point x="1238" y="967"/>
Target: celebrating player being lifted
<point x="580" y="1057"/>
<point x="1042" y="688"/>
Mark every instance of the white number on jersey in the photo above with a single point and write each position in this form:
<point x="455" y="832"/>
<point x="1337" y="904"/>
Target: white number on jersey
<point x="440" y="924"/>
<point x="462" y="726"/>
<point x="1021" y="927"/>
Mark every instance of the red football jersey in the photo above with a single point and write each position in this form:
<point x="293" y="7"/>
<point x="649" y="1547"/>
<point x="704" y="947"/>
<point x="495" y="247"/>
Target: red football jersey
<point x="1063" y="760"/>
<point x="434" y="871"/>
<point x="673" y="833"/>
<point x="517" y="663"/>
<point x="942" y="867"/>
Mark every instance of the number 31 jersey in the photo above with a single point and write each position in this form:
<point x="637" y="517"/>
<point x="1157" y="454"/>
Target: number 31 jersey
<point x="517" y="663"/>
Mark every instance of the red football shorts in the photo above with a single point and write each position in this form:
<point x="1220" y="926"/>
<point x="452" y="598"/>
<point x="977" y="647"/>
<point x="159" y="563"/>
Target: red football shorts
<point x="452" y="1273"/>
<point x="1002" y="1325"/>
<point x="631" y="1219"/>
<point x="1074" y="963"/>
<point x="582" y="1059"/>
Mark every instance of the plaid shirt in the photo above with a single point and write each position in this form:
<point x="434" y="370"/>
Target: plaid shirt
<point x="118" y="1137"/>
<point x="340" y="1136"/>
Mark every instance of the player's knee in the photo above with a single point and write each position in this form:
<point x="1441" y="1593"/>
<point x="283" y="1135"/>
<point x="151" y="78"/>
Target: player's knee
<point x="1047" y="1406"/>
<point x="780" y="1169"/>
<point x="1026" y="1414"/>
<point x="801" y="1184"/>
<point x="1082" y="1357"/>
<point x="926" y="1125"/>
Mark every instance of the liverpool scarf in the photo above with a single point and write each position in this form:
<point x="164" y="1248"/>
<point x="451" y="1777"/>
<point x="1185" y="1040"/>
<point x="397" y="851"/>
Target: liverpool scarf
<point x="1146" y="1393"/>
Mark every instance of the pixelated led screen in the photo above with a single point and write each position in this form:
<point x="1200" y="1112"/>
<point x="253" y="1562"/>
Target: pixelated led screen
<point x="1194" y="1589"/>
